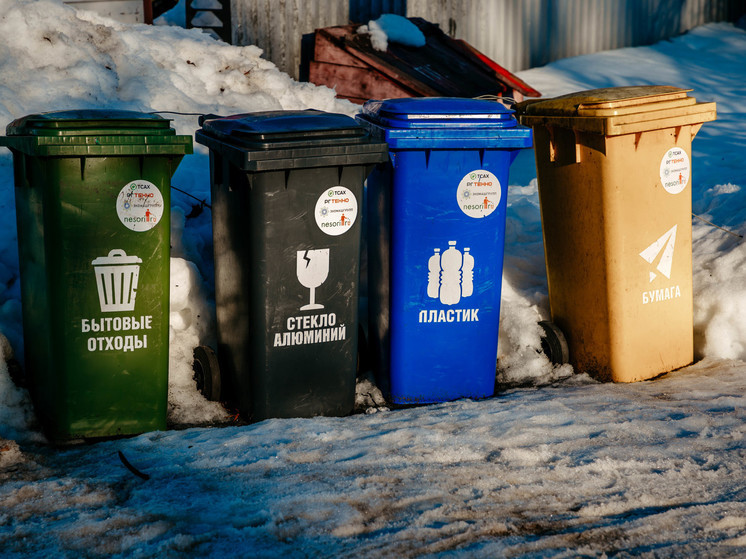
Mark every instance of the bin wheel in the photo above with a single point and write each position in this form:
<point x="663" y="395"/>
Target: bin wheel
<point x="363" y="353"/>
<point x="16" y="373"/>
<point x="207" y="372"/>
<point x="554" y="344"/>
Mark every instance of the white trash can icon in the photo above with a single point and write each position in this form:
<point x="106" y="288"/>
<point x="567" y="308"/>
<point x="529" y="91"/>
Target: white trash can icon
<point x="116" y="280"/>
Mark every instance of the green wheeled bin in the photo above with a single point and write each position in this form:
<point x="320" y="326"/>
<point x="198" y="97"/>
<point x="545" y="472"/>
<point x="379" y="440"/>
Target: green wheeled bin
<point x="92" y="191"/>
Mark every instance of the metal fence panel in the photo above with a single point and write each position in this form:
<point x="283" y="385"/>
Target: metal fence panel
<point x="276" y="26"/>
<point x="518" y="34"/>
<point x="362" y="11"/>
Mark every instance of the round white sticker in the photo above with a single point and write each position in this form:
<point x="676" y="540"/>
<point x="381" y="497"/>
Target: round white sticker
<point x="140" y="205"/>
<point x="675" y="170"/>
<point x="336" y="210"/>
<point x="478" y="193"/>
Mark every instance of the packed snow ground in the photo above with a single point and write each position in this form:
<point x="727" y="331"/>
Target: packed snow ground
<point x="556" y="465"/>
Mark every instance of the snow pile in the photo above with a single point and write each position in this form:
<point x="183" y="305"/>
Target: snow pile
<point x="16" y="413"/>
<point x="63" y="58"/>
<point x="708" y="59"/>
<point x="54" y="58"/>
<point x="572" y="468"/>
<point x="394" y="28"/>
<point x="524" y="302"/>
<point x="190" y="323"/>
<point x="60" y="58"/>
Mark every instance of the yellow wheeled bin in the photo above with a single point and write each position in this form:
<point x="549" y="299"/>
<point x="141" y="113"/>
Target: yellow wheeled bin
<point x="615" y="173"/>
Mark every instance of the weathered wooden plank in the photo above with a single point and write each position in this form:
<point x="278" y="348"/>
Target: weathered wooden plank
<point x="329" y="47"/>
<point x="354" y="82"/>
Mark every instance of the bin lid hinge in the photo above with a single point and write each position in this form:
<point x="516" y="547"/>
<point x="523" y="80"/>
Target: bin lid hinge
<point x="552" y="144"/>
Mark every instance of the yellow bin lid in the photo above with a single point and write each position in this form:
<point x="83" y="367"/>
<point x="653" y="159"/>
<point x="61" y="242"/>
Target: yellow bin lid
<point x="618" y="110"/>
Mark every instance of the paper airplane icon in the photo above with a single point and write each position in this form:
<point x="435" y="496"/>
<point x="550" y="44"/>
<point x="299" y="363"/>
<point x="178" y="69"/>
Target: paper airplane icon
<point x="663" y="247"/>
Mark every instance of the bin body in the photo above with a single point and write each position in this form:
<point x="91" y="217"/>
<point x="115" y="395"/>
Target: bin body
<point x="435" y="244"/>
<point x="92" y="195"/>
<point x="614" y="171"/>
<point x="287" y="194"/>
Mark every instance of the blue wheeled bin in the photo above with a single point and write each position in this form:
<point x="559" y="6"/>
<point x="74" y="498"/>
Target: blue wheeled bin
<point x="435" y="242"/>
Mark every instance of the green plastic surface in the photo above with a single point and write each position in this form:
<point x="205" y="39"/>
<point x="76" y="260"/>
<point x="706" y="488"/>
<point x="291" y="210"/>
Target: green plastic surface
<point x="94" y="133"/>
<point x="96" y="346"/>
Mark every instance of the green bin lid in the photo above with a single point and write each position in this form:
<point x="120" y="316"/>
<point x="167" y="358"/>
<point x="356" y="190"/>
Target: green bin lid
<point x="95" y="132"/>
<point x="87" y="121"/>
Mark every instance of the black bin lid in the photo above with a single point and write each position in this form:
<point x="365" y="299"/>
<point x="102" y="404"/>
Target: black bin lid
<point x="272" y="140"/>
<point x="285" y="129"/>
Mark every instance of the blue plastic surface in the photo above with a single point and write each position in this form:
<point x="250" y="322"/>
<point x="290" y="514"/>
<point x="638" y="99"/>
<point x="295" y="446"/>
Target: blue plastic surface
<point x="445" y="123"/>
<point x="434" y="322"/>
<point x="446" y="112"/>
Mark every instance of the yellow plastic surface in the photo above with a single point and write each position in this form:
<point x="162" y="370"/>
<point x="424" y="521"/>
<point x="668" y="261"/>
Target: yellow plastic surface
<point x="619" y="110"/>
<point x="610" y="97"/>
<point x="618" y="243"/>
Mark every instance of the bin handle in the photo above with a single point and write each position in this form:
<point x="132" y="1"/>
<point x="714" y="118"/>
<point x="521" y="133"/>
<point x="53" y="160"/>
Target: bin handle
<point x="510" y="102"/>
<point x="202" y="203"/>
<point x="736" y="235"/>
<point x="117" y="252"/>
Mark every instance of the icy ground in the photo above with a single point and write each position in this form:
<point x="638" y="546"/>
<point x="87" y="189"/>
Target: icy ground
<point x="555" y="465"/>
<point x="578" y="469"/>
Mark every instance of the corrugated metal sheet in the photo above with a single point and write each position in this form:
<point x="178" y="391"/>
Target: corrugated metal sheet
<point x="520" y="34"/>
<point x="517" y="34"/>
<point x="276" y="26"/>
<point x="362" y="11"/>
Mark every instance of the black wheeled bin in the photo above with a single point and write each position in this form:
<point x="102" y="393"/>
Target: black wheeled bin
<point x="287" y="193"/>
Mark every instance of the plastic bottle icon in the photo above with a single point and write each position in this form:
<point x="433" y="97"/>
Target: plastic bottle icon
<point x="433" y="275"/>
<point x="467" y="274"/>
<point x="450" y="276"/>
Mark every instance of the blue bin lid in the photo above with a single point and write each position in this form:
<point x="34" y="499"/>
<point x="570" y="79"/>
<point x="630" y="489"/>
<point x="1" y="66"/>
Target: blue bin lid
<point x="444" y="122"/>
<point x="439" y="112"/>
